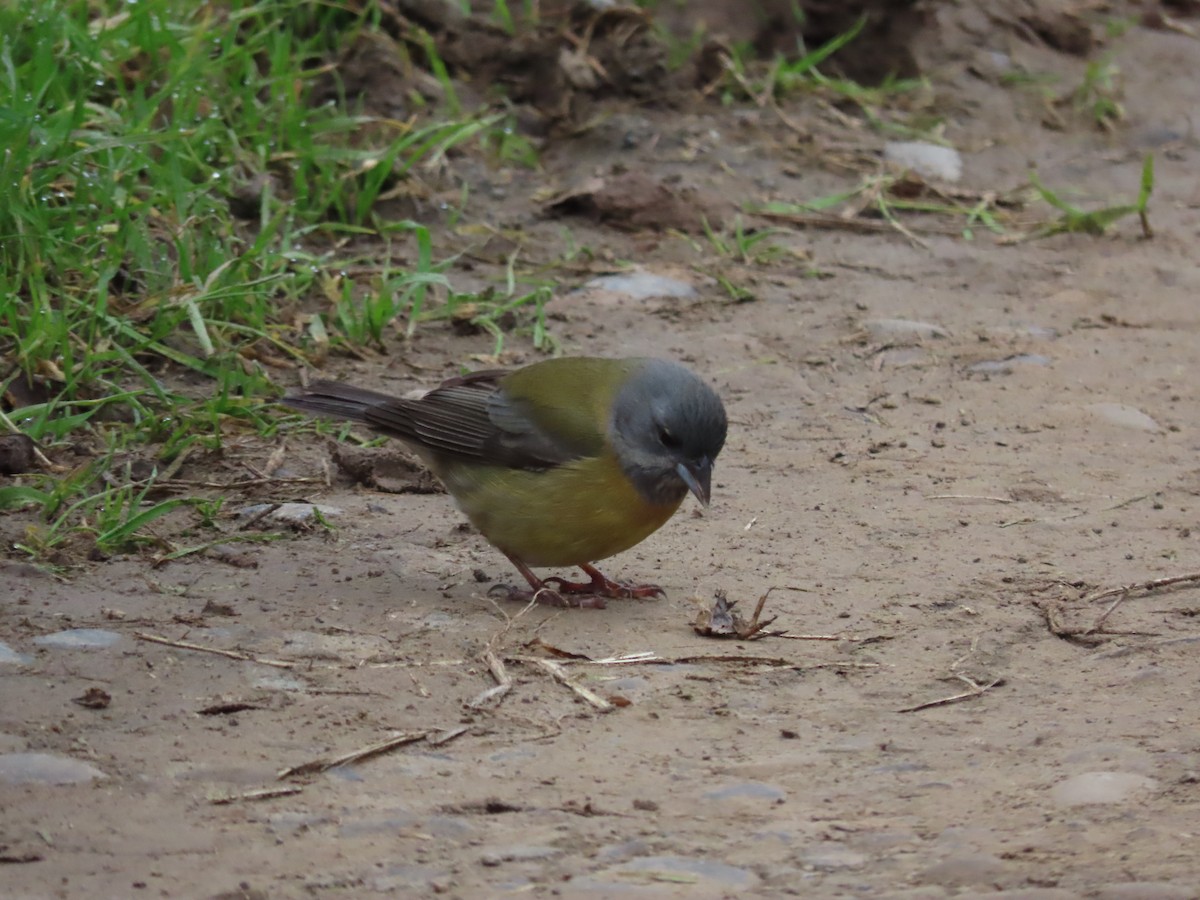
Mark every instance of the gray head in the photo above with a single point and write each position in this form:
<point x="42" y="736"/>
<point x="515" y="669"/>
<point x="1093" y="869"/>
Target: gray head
<point x="668" y="427"/>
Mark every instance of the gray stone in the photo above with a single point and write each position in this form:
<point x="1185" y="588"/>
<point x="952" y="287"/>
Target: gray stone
<point x="1007" y="365"/>
<point x="967" y="869"/>
<point x="900" y="330"/>
<point x="930" y="161"/>
<point x="494" y="856"/>
<point x="290" y="513"/>
<point x="1124" y="416"/>
<point x="79" y="639"/>
<point x="1100" y="787"/>
<point x="746" y="790"/>
<point x="10" y="657"/>
<point x="829" y="856"/>
<point x="701" y="869"/>
<point x="45" y="768"/>
<point x="641" y="285"/>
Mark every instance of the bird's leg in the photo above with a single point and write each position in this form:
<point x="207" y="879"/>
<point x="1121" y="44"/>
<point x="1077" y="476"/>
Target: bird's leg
<point x="600" y="586"/>
<point x="547" y="596"/>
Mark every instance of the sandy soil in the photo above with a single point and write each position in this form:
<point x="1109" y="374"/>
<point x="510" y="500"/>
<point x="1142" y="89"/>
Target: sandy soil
<point x="944" y="522"/>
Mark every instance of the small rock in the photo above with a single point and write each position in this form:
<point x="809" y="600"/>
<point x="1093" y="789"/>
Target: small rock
<point x="16" y="454"/>
<point x="297" y="513"/>
<point x="447" y="827"/>
<point x="438" y="620"/>
<point x="900" y="330"/>
<point x="275" y="680"/>
<point x="45" y="768"/>
<point x="10" y="657"/>
<point x="623" y="850"/>
<point x="1125" y="416"/>
<point x="967" y="869"/>
<point x="669" y="867"/>
<point x="641" y="285"/>
<point x="828" y="856"/>
<point x="1100" y="787"/>
<point x="747" y="790"/>
<point x="930" y="161"/>
<point x="1006" y="366"/>
<point x="404" y="881"/>
<point x="79" y="639"/>
<point x="519" y="853"/>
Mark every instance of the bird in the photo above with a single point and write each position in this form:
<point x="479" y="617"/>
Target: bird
<point x="560" y="463"/>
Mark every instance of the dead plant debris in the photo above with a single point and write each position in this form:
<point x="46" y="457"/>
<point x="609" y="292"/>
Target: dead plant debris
<point x="722" y="620"/>
<point x="323" y="764"/>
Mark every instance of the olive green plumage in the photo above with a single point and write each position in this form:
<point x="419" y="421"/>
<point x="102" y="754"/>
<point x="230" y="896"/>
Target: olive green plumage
<point x="560" y="463"/>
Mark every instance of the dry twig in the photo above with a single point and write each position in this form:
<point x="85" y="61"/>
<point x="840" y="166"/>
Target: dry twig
<point x="200" y="648"/>
<point x="976" y="690"/>
<point x="558" y="673"/>
<point x="503" y="681"/>
<point x="1153" y="584"/>
<point x="260" y="794"/>
<point x="371" y="750"/>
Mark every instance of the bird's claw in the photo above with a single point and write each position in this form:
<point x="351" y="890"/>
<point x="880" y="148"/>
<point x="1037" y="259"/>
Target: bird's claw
<point x="604" y="587"/>
<point x="546" y="596"/>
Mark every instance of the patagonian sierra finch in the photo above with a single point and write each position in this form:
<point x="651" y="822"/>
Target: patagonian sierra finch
<point x="561" y="463"/>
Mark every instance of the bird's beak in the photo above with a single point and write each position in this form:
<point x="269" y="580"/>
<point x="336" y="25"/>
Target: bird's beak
<point x="698" y="477"/>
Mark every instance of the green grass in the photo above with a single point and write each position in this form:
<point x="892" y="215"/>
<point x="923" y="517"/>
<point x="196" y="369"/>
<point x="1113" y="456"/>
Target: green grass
<point x="179" y="220"/>
<point x="1099" y="94"/>
<point x="893" y="200"/>
<point x="788" y="77"/>
<point x="1073" y="220"/>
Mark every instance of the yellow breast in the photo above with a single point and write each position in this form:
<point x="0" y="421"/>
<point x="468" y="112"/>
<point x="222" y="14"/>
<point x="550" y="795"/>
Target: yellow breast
<point x="577" y="513"/>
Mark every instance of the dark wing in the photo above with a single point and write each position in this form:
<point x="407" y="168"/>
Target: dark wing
<point x="468" y="418"/>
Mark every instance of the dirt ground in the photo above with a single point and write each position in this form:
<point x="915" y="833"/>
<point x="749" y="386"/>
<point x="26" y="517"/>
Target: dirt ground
<point x="941" y="503"/>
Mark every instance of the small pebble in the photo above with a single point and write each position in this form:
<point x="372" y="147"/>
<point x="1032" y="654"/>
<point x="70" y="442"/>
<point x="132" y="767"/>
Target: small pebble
<point x="898" y="329"/>
<point x="747" y="790"/>
<point x="1124" y="416"/>
<point x="290" y="513"/>
<point x="1006" y="366"/>
<point x="10" y="657"/>
<point x="670" y="868"/>
<point x="45" y="768"/>
<point x="930" y="161"/>
<point x="79" y="639"/>
<point x="1100" y="787"/>
<point x="642" y="285"/>
<point x="829" y="856"/>
<point x="967" y="869"/>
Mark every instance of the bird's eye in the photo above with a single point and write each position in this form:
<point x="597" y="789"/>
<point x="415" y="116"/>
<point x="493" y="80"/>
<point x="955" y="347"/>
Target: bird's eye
<point x="667" y="439"/>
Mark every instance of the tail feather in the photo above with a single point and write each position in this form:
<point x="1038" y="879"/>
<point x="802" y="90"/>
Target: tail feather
<point x="333" y="398"/>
